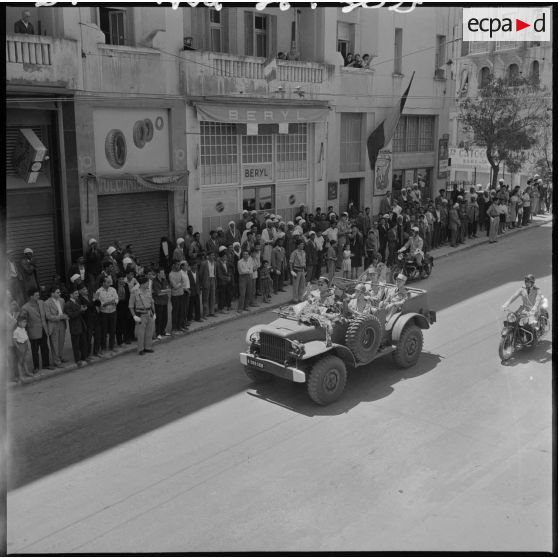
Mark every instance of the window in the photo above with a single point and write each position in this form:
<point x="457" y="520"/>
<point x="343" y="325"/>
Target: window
<point x="484" y="76"/>
<point x="292" y="152"/>
<point x="345" y="37"/>
<point x="414" y="133"/>
<point x="398" y="51"/>
<point x="113" y="25"/>
<point x="260" y="198"/>
<point x="215" y="30"/>
<point x="260" y="32"/>
<point x="218" y="153"/>
<point x="505" y="45"/>
<point x="478" y="46"/>
<point x="535" y="72"/>
<point x="440" y="51"/>
<point x="513" y="73"/>
<point x="257" y="149"/>
<point x="351" y="142"/>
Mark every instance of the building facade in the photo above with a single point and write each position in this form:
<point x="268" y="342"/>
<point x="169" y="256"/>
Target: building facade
<point x="155" y="118"/>
<point x="476" y="63"/>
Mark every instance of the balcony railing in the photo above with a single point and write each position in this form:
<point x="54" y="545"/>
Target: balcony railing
<point x="253" y="68"/>
<point x="29" y="49"/>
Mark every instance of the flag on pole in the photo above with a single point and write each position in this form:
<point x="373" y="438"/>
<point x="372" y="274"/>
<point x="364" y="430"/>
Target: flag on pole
<point x="270" y="69"/>
<point x="384" y="132"/>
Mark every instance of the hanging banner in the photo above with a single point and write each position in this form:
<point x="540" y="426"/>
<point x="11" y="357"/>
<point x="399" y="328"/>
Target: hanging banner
<point x="443" y="155"/>
<point x="260" y="115"/>
<point x="382" y="174"/>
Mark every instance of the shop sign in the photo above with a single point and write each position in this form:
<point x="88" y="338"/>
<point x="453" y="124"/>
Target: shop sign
<point x="443" y="155"/>
<point x="257" y="172"/>
<point x="260" y="115"/>
<point x="469" y="159"/>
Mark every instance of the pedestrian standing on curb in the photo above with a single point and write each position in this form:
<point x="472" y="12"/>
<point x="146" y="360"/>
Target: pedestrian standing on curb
<point x="166" y="250"/>
<point x="108" y="298"/>
<point x="56" y="321"/>
<point x="161" y="290"/>
<point x="311" y="257"/>
<point x="92" y="322"/>
<point x="177" y="293"/>
<point x="494" y="215"/>
<point x="453" y="224"/>
<point x="473" y="216"/>
<point x="77" y="326"/>
<point x="28" y="270"/>
<point x="526" y="199"/>
<point x="179" y="252"/>
<point x="123" y="333"/>
<point x="298" y="269"/>
<point x="513" y="208"/>
<point x="255" y="256"/>
<point x="185" y="276"/>
<point x="223" y="273"/>
<point x="37" y="329"/>
<point x="142" y="309"/>
<point x="21" y="344"/>
<point x="93" y="264"/>
<point x="331" y="260"/>
<point x="265" y="281"/>
<point x="194" y="304"/>
<point x="208" y="284"/>
<point x="245" y="270"/>
<point x="278" y="265"/>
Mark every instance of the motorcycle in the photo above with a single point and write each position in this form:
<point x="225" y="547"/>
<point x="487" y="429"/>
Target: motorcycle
<point x="518" y="333"/>
<point x="407" y="265"/>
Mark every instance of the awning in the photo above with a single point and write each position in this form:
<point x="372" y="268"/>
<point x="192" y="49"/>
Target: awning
<point x="261" y="114"/>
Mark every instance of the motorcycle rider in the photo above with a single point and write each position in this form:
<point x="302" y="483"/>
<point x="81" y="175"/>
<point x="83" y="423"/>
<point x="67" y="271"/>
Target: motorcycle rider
<point x="531" y="299"/>
<point x="415" y="245"/>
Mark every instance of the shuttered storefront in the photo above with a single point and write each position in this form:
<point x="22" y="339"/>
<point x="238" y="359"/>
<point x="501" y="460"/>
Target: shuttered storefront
<point x="30" y="210"/>
<point x="138" y="219"/>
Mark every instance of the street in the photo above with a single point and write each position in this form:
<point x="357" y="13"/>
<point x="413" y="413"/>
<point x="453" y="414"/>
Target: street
<point x="179" y="452"/>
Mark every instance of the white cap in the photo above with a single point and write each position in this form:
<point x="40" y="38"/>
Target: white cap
<point x="311" y="233"/>
<point x="179" y="240"/>
<point x="75" y="277"/>
<point x="110" y="250"/>
<point x="416" y="229"/>
<point x="28" y="251"/>
<point x="401" y="276"/>
<point x="91" y="241"/>
<point x="222" y="249"/>
<point x="249" y="225"/>
<point x="245" y="211"/>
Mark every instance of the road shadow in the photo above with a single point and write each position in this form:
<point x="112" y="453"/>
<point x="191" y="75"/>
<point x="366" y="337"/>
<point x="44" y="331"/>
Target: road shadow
<point x="368" y="383"/>
<point x="541" y="354"/>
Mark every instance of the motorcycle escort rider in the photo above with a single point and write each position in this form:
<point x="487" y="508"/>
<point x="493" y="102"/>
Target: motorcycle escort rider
<point x="531" y="299"/>
<point x="415" y="245"/>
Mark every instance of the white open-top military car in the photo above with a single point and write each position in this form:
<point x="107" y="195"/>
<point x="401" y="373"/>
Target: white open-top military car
<point x="315" y="344"/>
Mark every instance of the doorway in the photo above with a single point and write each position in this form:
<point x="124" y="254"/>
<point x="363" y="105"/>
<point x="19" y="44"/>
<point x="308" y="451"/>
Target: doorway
<point x="349" y="191"/>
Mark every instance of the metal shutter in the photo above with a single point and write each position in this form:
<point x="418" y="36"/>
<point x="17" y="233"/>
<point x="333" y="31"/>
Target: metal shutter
<point x="35" y="232"/>
<point x="137" y="219"/>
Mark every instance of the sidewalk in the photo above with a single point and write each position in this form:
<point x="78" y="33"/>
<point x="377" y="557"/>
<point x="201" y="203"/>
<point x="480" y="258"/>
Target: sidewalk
<point x="279" y="299"/>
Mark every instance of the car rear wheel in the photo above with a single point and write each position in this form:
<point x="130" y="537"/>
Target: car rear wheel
<point x="327" y="380"/>
<point x="409" y="346"/>
<point x="257" y="376"/>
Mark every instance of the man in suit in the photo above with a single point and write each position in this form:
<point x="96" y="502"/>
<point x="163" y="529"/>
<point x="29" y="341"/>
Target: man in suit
<point x="194" y="309"/>
<point x="37" y="329"/>
<point x="208" y="284"/>
<point x="78" y="328"/>
<point x="56" y="321"/>
<point x="24" y="25"/>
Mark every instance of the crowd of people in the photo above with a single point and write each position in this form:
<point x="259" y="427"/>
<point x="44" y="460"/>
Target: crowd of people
<point x="111" y="298"/>
<point x="357" y="62"/>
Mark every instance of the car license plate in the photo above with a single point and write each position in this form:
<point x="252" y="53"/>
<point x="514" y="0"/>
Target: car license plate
<point x="252" y="362"/>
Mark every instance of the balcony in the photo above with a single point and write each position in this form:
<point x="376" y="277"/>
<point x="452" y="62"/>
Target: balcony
<point x="41" y="60"/>
<point x="211" y="73"/>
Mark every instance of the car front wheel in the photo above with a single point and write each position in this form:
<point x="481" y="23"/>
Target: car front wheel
<point x="327" y="380"/>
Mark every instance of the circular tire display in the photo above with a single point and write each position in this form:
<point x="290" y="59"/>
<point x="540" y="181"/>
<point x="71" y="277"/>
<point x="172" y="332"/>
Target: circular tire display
<point x="148" y="129"/>
<point x="327" y="380"/>
<point x="159" y="123"/>
<point x="115" y="148"/>
<point x="139" y="134"/>
<point x="408" y="347"/>
<point x="363" y="337"/>
<point x="257" y="376"/>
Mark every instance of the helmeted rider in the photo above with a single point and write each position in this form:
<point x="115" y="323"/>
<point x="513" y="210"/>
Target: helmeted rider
<point x="531" y="298"/>
<point x="415" y="245"/>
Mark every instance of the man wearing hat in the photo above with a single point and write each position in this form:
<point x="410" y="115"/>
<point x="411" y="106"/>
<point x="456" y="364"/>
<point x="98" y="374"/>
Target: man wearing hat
<point x="453" y="224"/>
<point x="415" y="246"/>
<point x="278" y="265"/>
<point x="78" y="268"/>
<point x="297" y="264"/>
<point x="244" y="218"/>
<point x="224" y="281"/>
<point x="28" y="271"/>
<point x="93" y="264"/>
<point x="231" y="234"/>
<point x="142" y="308"/>
<point x="395" y="296"/>
<point x="78" y="328"/>
<point x="178" y="253"/>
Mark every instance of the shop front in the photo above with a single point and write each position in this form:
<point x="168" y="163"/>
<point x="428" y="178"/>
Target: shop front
<point x="255" y="157"/>
<point x="405" y="178"/>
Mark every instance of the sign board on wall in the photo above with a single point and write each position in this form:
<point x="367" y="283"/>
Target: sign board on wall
<point x="131" y="141"/>
<point x="443" y="167"/>
<point x="471" y="159"/>
<point x="382" y="173"/>
<point x="332" y="190"/>
<point x="257" y="172"/>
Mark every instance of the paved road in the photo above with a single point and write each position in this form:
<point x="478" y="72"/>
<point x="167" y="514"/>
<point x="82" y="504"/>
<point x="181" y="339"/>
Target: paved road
<point x="178" y="451"/>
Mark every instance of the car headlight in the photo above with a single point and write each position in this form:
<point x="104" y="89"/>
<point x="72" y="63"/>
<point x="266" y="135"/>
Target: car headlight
<point x="255" y="337"/>
<point x="297" y="348"/>
<point x="253" y="334"/>
<point x="512" y="318"/>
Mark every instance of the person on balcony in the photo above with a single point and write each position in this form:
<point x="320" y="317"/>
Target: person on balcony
<point x="24" y="25"/>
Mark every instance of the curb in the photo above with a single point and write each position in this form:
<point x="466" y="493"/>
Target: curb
<point x="531" y="225"/>
<point x="231" y="317"/>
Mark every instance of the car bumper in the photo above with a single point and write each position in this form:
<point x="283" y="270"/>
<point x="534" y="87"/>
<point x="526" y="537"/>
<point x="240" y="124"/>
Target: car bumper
<point x="281" y="371"/>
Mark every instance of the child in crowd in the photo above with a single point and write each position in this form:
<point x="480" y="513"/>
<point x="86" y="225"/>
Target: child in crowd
<point x="346" y="262"/>
<point x="21" y="344"/>
<point x="265" y="281"/>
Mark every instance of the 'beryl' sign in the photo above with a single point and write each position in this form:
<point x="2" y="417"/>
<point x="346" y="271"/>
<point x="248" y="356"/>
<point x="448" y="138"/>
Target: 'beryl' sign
<point x="257" y="172"/>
